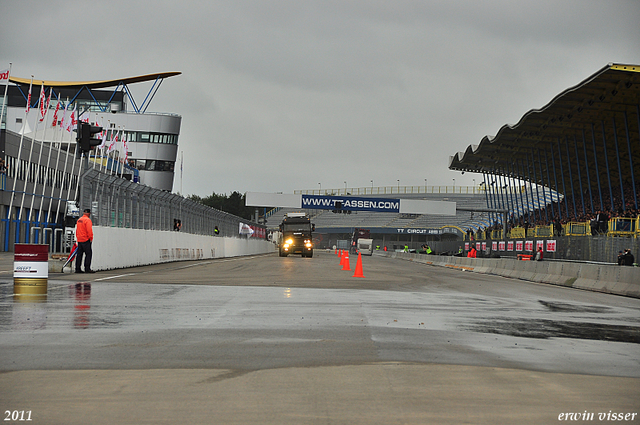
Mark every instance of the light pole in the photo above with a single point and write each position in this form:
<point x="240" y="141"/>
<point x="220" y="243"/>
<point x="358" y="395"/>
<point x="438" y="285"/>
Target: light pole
<point x="454" y="185"/>
<point x="345" y="188"/>
<point x="398" y="185"/>
<point x="372" y="187"/>
<point x="425" y="185"/>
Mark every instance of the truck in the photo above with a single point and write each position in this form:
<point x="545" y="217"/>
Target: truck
<point x="295" y="235"/>
<point x="365" y="246"/>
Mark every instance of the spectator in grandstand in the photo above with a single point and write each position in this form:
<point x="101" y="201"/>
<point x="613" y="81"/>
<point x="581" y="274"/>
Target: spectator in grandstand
<point x="628" y="258"/>
<point x="557" y="227"/>
<point x="603" y="222"/>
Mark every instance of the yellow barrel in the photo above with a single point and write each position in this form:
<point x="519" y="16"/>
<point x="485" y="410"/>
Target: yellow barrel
<point x="30" y="269"/>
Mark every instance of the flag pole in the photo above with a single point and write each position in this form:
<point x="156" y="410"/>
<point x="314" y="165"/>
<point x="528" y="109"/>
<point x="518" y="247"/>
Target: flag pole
<point x="55" y="172"/>
<point x="43" y="108"/>
<point x="46" y="176"/>
<point x="65" y="120"/>
<point x="124" y="147"/>
<point x="17" y="164"/>
<point x="35" y="180"/>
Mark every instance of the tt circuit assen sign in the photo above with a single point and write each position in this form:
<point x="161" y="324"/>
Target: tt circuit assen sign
<point x="350" y="203"/>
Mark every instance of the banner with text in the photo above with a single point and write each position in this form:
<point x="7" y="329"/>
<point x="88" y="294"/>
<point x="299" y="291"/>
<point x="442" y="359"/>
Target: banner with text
<point x="350" y="203"/>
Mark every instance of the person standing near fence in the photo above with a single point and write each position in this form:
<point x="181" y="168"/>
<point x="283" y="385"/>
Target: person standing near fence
<point x="84" y="236"/>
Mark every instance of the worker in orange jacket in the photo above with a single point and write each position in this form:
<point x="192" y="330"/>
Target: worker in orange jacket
<point x="84" y="236"/>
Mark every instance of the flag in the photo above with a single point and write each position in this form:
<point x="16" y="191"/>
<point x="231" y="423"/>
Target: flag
<point x="42" y="102"/>
<point x="72" y="254"/>
<point x="63" y="121"/>
<point x="126" y="148"/>
<point x="55" y="115"/>
<point x="29" y="99"/>
<point x="4" y="76"/>
<point x="46" y="106"/>
<point x="72" y="123"/>
<point x="104" y="138"/>
<point x="114" y="140"/>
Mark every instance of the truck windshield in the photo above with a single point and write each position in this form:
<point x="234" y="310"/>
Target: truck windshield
<point x="297" y="227"/>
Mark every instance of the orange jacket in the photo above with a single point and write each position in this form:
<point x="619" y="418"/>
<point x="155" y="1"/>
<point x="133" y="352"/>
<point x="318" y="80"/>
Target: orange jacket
<point x="472" y="253"/>
<point x="84" y="229"/>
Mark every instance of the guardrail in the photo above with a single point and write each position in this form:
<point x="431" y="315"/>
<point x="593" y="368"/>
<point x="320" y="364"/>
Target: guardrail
<point x="622" y="226"/>
<point x="618" y="226"/>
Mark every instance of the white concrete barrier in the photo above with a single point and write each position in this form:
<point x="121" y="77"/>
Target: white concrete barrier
<point x="612" y="279"/>
<point x="115" y="247"/>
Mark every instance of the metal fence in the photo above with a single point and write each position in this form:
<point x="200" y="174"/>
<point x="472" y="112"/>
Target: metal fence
<point x="117" y="202"/>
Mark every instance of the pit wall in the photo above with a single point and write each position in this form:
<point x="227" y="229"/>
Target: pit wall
<point x="611" y="279"/>
<point x="115" y="248"/>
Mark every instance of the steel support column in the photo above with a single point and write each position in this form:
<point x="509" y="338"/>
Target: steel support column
<point x="564" y="186"/>
<point x="544" y="193"/>
<point x="573" y="192"/>
<point x="606" y="161"/>
<point x="586" y="164"/>
<point x="595" y="159"/>
<point x="633" y="179"/>
<point x="555" y="178"/>
<point x="615" y="139"/>
<point x="546" y="161"/>
<point x="575" y="144"/>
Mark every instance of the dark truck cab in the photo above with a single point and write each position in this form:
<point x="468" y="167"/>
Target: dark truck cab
<point x="295" y="235"/>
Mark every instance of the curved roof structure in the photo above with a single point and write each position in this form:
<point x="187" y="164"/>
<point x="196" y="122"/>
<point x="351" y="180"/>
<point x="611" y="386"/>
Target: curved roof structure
<point x="97" y="84"/>
<point x="586" y="135"/>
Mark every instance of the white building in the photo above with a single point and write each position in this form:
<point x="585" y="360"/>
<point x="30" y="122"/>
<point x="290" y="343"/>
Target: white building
<point x="42" y="171"/>
<point x="152" y="138"/>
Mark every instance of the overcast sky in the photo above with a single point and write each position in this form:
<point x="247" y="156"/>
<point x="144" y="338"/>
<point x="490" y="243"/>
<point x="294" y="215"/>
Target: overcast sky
<point x="283" y="95"/>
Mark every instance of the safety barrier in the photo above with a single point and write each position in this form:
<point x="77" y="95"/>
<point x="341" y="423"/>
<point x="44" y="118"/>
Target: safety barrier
<point x="622" y="226"/>
<point x="612" y="279"/>
<point x="577" y="229"/>
<point x="144" y="247"/>
<point x="517" y="233"/>
<point x="543" y="231"/>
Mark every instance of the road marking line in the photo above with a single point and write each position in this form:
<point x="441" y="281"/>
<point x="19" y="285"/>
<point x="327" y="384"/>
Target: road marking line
<point x="114" y="277"/>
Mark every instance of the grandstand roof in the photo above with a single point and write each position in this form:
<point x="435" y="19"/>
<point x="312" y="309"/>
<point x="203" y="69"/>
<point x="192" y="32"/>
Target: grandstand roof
<point x="97" y="84"/>
<point x="596" y="119"/>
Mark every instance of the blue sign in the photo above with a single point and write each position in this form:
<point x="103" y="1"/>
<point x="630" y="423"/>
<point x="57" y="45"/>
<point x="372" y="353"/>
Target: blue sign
<point x="350" y="203"/>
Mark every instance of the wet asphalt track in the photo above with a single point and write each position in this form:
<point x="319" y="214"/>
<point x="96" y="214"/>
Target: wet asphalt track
<point x="264" y="313"/>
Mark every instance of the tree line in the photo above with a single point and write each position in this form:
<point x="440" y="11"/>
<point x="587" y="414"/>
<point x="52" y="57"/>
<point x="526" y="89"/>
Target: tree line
<point x="232" y="204"/>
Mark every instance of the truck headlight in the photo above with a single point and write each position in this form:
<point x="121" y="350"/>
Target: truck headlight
<point x="289" y="242"/>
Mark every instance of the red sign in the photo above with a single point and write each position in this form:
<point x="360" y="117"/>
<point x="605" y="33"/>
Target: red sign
<point x="31" y="252"/>
<point x="551" y="246"/>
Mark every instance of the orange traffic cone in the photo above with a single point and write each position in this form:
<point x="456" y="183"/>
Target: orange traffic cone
<point x="345" y="263"/>
<point x="341" y="257"/>
<point x="358" y="272"/>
